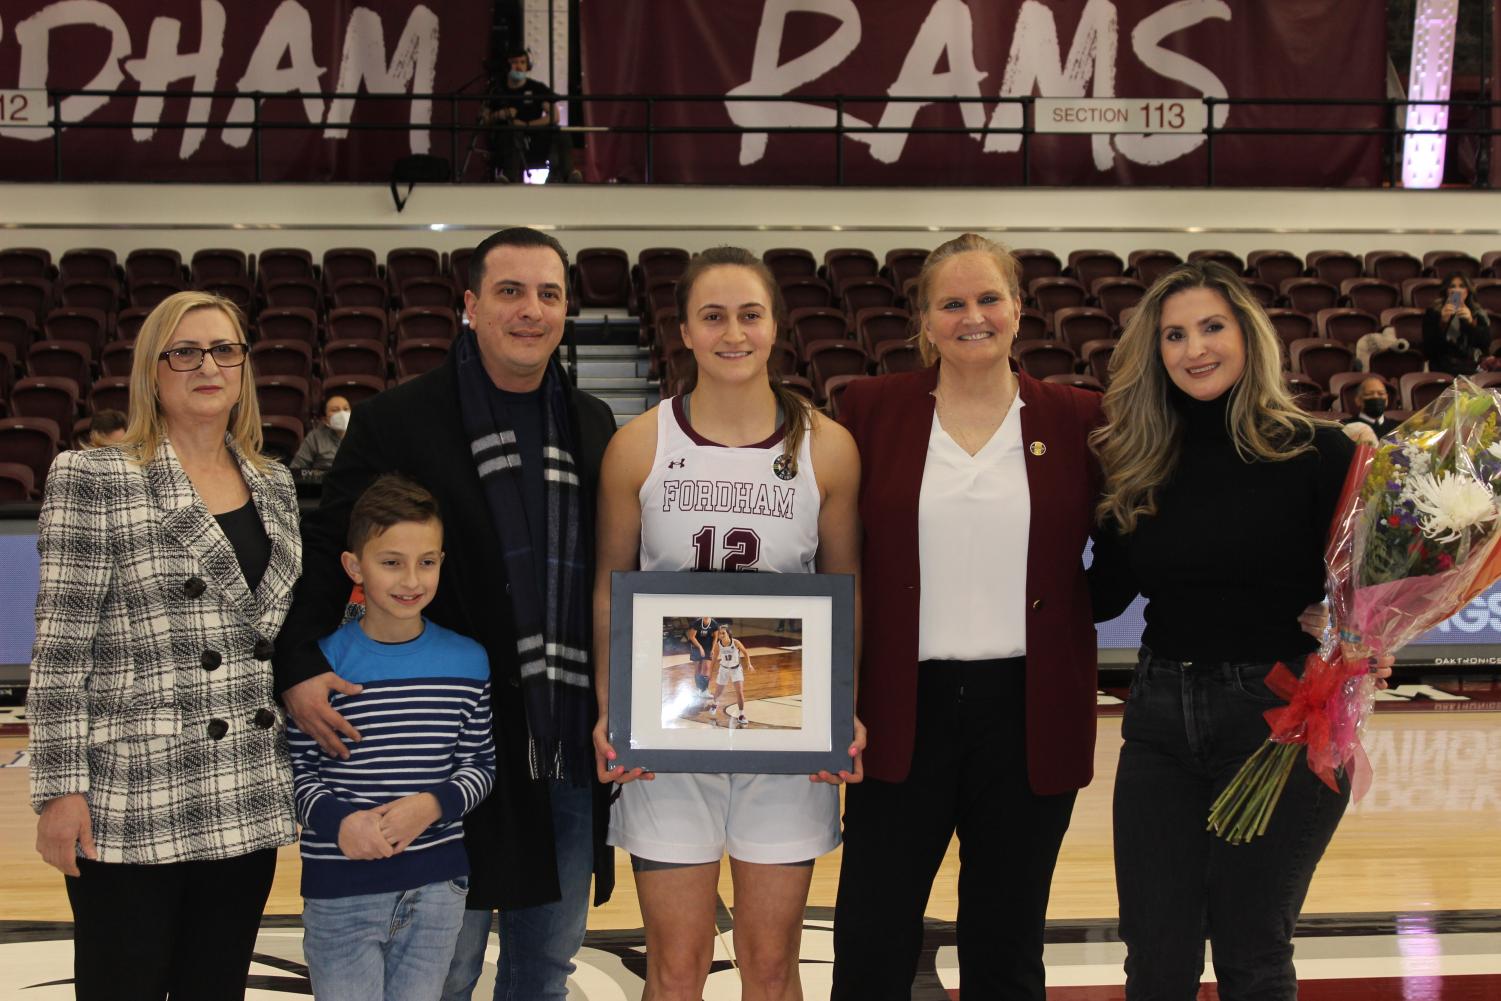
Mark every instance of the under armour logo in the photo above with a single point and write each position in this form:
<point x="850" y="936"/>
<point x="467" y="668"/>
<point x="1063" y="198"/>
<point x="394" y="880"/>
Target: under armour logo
<point x="677" y="463"/>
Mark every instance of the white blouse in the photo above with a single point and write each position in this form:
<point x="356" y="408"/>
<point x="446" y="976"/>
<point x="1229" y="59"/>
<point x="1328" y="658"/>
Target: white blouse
<point x="973" y="516"/>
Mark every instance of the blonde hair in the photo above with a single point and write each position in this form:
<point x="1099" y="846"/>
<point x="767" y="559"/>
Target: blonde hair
<point x="796" y="421"/>
<point x="147" y="426"/>
<point x="1141" y="440"/>
<point x="969" y="243"/>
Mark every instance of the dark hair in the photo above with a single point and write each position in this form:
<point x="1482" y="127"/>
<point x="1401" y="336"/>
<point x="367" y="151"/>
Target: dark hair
<point x="391" y="499"/>
<point x="106" y="422"/>
<point x="794" y="410"/>
<point x="1471" y="302"/>
<point x="515" y="236"/>
<point x="517" y="51"/>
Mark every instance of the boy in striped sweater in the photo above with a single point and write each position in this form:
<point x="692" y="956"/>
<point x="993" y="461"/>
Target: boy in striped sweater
<point x="384" y="873"/>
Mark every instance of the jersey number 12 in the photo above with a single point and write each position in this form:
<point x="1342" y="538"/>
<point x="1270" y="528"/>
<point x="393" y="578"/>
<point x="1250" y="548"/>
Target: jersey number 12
<point x="742" y="549"/>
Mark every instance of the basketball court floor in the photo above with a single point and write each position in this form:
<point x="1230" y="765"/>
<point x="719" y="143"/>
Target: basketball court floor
<point x="1406" y="905"/>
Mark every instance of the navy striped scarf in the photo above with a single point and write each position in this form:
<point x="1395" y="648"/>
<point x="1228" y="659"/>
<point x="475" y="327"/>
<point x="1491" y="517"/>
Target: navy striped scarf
<point x="552" y="637"/>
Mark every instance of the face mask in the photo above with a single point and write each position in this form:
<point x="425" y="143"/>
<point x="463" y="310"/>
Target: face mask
<point x="517" y="77"/>
<point x="1373" y="407"/>
<point x="339" y="420"/>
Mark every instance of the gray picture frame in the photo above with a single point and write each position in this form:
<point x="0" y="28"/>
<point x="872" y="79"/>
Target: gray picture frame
<point x="633" y="750"/>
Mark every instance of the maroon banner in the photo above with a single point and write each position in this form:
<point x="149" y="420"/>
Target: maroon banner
<point x="289" y="52"/>
<point x="875" y="49"/>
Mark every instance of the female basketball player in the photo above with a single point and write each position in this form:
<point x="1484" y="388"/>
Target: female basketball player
<point x="700" y="639"/>
<point x="735" y="425"/>
<point x="733" y="660"/>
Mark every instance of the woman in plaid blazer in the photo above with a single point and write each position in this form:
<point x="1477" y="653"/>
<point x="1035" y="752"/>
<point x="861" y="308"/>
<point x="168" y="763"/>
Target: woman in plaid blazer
<point x="158" y="756"/>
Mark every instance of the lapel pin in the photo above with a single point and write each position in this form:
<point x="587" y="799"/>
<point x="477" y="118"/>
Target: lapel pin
<point x="1038" y="448"/>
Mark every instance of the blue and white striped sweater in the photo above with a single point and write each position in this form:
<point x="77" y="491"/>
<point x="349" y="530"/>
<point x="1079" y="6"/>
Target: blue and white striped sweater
<point x="424" y="716"/>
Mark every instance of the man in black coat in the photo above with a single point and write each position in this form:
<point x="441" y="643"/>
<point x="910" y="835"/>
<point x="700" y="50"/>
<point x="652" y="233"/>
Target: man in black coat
<point x="1370" y="408"/>
<point x="535" y="842"/>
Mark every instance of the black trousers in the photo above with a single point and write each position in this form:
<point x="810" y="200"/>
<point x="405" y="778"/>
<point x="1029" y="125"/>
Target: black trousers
<point x="1188" y="728"/>
<point x="183" y="930"/>
<point x="969" y="774"/>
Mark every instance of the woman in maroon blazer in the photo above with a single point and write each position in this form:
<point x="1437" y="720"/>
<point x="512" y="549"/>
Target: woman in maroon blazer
<point x="978" y="676"/>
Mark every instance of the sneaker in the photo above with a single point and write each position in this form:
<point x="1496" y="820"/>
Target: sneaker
<point x="742" y="720"/>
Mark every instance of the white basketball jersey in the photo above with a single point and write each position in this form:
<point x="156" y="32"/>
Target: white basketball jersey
<point x="715" y="507"/>
<point x="729" y="656"/>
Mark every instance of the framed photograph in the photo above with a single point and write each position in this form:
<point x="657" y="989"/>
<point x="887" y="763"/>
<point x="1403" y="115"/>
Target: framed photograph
<point x="732" y="672"/>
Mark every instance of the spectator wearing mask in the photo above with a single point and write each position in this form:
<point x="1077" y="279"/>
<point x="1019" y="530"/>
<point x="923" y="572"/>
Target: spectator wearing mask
<point x="322" y="443"/>
<point x="1370" y="412"/>
<point x="523" y="125"/>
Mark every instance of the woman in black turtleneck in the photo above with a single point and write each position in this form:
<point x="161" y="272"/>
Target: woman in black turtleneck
<point x="1218" y="498"/>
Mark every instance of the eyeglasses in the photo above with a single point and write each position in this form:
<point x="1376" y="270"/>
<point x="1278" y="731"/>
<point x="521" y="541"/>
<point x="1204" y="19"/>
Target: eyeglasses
<point x="231" y="355"/>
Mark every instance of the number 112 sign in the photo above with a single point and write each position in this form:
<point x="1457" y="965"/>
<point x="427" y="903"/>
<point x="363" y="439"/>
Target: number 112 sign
<point x="1105" y="114"/>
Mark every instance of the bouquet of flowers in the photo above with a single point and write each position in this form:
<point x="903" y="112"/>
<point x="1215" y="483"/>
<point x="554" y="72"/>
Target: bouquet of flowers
<point x="1416" y="535"/>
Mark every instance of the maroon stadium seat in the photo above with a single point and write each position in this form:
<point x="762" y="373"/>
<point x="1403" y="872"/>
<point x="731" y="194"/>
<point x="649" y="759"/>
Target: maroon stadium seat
<point x="1393" y="266"/>
<point x="354" y="388"/>
<point x="1228" y="258"/>
<point x="282" y="358"/>
<point x="359" y="323"/>
<point x="1078" y="381"/>
<point x="1273" y="266"/>
<point x="217" y="264"/>
<point x="305" y="293"/>
<point x="1421" y="388"/>
<point x="110" y="392"/>
<point x="342" y="358"/>
<point x="368" y="292"/>
<point x="116" y="358"/>
<point x="283" y="264"/>
<point x="1053" y="294"/>
<point x="1443" y="263"/>
<point x="815" y="324"/>
<point x="834" y="388"/>
<point x="1040" y="359"/>
<point x="1319" y="358"/>
<point x="1088" y="265"/>
<point x="1421" y="292"/>
<point x="26" y="262"/>
<point x="90" y="293"/>
<point x="427" y="291"/>
<point x="1345" y="325"/>
<point x="17" y="481"/>
<point x="1037" y="263"/>
<point x="789" y="262"/>
<point x="18" y="328"/>
<point x="344" y="263"/>
<point x="1334" y="266"/>
<point x="154" y="264"/>
<point x="55" y="399"/>
<point x="33" y="295"/>
<point x="427" y="324"/>
<point x="1344" y="385"/>
<point x="892" y="357"/>
<point x="1309" y="295"/>
<point x="831" y="358"/>
<point x="414" y="357"/>
<point x="1096" y="357"/>
<point x="30" y="442"/>
<point x="1370" y="294"/>
<point x="876" y="326"/>
<point x="1291" y="325"/>
<point x="405" y="263"/>
<point x="94" y="263"/>
<point x="1406" y="321"/>
<point x="604" y="278"/>
<point x="1077" y="325"/>
<point x="288" y="323"/>
<point x="1306" y="393"/>
<point x="86" y="326"/>
<point x="286" y="395"/>
<point x="1115" y="294"/>
<point x="1150" y="265"/>
<point x="282" y="434"/>
<point x="61" y="360"/>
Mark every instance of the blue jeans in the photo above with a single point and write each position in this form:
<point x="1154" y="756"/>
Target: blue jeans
<point x="537" y="944"/>
<point x="1188" y="728"/>
<point x="383" y="945"/>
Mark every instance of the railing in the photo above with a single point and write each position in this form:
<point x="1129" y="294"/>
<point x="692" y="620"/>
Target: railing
<point x="462" y="113"/>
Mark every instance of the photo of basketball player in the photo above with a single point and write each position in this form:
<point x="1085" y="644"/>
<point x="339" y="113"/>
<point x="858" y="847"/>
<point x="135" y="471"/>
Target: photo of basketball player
<point x="733" y="660"/>
<point x="701" y="638"/>
<point x="757" y="679"/>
